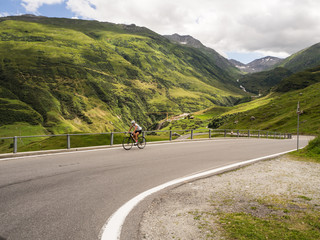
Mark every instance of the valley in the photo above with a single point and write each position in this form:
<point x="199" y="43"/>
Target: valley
<point x="62" y="76"/>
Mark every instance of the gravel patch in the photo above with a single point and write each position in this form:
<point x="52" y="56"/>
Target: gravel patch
<point x="183" y="212"/>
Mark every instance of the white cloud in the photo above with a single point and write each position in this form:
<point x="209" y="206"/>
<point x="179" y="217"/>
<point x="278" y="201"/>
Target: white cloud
<point x="278" y="27"/>
<point x="3" y="14"/>
<point x="33" y="5"/>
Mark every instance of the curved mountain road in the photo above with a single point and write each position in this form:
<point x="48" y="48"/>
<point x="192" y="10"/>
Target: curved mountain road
<point x="71" y="195"/>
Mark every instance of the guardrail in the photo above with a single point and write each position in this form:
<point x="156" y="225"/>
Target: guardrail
<point x="43" y="142"/>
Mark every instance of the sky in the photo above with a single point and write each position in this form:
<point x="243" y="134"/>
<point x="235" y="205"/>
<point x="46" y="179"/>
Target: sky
<point x="239" y="29"/>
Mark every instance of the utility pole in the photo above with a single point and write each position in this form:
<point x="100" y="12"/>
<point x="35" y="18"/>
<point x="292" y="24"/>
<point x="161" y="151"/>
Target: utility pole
<point x="298" y="112"/>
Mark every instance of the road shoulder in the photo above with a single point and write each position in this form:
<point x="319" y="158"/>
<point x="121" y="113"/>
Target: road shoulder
<point x="278" y="187"/>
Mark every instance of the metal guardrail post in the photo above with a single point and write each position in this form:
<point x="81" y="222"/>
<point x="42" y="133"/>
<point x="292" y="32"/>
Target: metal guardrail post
<point x="191" y="134"/>
<point x="68" y="141"/>
<point x="15" y="144"/>
<point x="209" y="133"/>
<point x="267" y="135"/>
<point x="170" y="138"/>
<point x="111" y="139"/>
<point x="259" y="134"/>
<point x="225" y="132"/>
<point x="238" y="133"/>
<point x="248" y="133"/>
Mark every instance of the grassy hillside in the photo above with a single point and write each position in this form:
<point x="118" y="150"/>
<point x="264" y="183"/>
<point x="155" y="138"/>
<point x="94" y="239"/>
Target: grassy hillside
<point x="65" y="75"/>
<point x="299" y="80"/>
<point x="279" y="113"/>
<point x="275" y="112"/>
<point x="220" y="61"/>
<point x="262" y="82"/>
<point x="304" y="59"/>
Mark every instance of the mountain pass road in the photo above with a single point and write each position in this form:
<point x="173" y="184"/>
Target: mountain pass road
<point x="71" y="195"/>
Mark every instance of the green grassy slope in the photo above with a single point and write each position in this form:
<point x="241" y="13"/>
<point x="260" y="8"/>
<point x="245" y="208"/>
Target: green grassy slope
<point x="299" y="80"/>
<point x="304" y="59"/>
<point x="261" y="82"/>
<point x="311" y="152"/>
<point x="66" y="75"/>
<point x="280" y="113"/>
<point x="220" y="61"/>
<point x="275" y="112"/>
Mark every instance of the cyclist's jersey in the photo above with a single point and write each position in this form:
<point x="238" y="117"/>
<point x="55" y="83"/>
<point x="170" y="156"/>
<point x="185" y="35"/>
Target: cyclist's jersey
<point x="138" y="127"/>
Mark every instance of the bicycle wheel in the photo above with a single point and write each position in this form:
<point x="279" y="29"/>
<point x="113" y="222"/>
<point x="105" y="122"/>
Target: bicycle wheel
<point x="141" y="142"/>
<point x="127" y="143"/>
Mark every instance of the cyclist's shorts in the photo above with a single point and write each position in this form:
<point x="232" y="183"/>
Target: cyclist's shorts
<point x="139" y="131"/>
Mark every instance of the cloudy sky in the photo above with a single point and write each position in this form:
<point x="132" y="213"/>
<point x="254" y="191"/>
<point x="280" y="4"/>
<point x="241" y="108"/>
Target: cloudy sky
<point x="239" y="29"/>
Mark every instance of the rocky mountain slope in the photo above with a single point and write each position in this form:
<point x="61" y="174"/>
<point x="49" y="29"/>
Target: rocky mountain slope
<point x="257" y="65"/>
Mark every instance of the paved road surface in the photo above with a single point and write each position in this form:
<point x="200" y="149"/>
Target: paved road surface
<point x="71" y="195"/>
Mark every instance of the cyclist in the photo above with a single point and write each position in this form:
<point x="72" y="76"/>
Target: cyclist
<point x="136" y="130"/>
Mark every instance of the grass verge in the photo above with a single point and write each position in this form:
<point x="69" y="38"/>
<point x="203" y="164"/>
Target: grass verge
<point x="299" y="226"/>
<point x="309" y="153"/>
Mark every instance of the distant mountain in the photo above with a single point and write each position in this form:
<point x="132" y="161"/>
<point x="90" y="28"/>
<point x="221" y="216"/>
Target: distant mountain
<point x="263" y="64"/>
<point x="237" y="63"/>
<point x="67" y="75"/>
<point x="219" y="60"/>
<point x="257" y="65"/>
<point x="303" y="67"/>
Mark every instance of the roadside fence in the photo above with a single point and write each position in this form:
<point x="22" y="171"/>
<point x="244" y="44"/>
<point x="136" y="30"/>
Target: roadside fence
<point x="69" y="141"/>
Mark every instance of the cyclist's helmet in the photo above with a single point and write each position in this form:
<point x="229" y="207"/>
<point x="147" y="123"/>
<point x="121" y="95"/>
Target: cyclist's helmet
<point x="133" y="122"/>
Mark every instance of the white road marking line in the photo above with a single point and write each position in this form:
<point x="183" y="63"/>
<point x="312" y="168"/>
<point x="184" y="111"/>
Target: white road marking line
<point x="112" y="229"/>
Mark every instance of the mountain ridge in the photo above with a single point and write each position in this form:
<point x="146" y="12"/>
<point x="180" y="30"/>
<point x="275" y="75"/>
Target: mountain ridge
<point x="190" y="41"/>
<point x="303" y="59"/>
<point x="257" y="65"/>
<point x="79" y="75"/>
<point x="265" y="81"/>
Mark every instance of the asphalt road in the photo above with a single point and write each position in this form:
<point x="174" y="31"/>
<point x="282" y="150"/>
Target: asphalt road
<point x="71" y="195"/>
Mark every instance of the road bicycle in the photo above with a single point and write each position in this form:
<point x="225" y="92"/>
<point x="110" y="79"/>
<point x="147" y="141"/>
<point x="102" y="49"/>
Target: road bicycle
<point x="128" y="142"/>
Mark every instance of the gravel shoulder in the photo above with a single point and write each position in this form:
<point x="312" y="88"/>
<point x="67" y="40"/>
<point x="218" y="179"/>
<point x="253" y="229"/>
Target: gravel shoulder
<point x="185" y="211"/>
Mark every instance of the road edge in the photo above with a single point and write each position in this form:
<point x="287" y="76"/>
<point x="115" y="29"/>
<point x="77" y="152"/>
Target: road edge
<point x="112" y="228"/>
